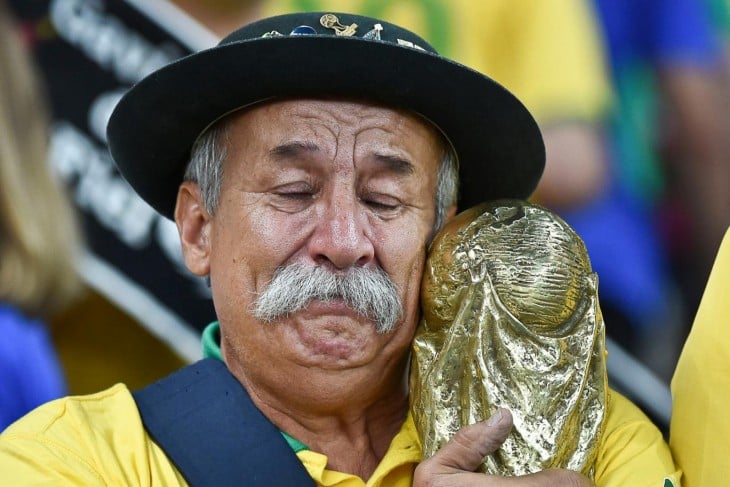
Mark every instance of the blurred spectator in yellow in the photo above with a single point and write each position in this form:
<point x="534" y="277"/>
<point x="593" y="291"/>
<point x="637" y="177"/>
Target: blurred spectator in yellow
<point x="700" y="425"/>
<point x="38" y="237"/>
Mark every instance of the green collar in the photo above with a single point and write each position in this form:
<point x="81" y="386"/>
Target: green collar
<point x="211" y="340"/>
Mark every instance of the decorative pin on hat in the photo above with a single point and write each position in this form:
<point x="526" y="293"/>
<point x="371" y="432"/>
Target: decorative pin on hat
<point x="331" y="21"/>
<point x="374" y="34"/>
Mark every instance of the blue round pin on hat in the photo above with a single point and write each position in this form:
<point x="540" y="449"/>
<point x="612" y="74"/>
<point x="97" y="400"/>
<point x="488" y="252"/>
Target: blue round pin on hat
<point x="303" y="30"/>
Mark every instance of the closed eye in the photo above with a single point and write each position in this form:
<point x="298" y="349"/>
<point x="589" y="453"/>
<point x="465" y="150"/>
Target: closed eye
<point x="382" y="205"/>
<point x="292" y="201"/>
<point x="296" y="195"/>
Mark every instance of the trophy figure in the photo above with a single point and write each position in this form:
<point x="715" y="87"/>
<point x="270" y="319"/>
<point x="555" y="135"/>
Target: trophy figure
<point x="511" y="319"/>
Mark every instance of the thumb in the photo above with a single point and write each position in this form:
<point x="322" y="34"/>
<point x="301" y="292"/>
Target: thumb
<point x="468" y="447"/>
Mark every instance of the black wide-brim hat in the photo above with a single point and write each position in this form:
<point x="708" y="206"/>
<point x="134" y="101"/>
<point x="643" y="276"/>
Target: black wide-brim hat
<point x="154" y="126"/>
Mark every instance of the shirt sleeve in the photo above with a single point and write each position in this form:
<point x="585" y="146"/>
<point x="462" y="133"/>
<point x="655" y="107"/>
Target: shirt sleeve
<point x="700" y="424"/>
<point x="29" y="455"/>
<point x="29" y="461"/>
<point x="93" y="440"/>
<point x="632" y="450"/>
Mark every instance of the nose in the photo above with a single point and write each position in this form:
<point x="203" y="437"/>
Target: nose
<point x="340" y="238"/>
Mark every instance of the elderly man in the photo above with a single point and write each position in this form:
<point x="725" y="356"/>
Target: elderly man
<point x="307" y="160"/>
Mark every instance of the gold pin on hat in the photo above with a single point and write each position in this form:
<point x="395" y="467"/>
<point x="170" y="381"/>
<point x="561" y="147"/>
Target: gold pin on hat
<point x="330" y="21"/>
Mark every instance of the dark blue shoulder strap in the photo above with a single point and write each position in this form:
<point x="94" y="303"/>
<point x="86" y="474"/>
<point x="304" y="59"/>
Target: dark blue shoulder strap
<point x="210" y="429"/>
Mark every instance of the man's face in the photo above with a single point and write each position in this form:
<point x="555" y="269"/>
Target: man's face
<point x="317" y="183"/>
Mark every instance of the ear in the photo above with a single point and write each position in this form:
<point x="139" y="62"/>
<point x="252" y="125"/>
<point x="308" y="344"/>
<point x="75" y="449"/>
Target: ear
<point x="193" y="225"/>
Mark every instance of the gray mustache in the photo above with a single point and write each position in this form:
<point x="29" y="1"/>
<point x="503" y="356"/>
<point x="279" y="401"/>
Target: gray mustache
<point x="370" y="292"/>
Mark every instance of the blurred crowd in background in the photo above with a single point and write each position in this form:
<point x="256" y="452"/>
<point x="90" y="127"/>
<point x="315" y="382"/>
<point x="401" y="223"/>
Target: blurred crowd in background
<point x="632" y="96"/>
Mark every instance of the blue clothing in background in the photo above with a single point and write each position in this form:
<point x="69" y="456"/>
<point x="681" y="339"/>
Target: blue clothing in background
<point x="657" y="31"/>
<point x="640" y="37"/>
<point x="30" y="373"/>
<point x="619" y="227"/>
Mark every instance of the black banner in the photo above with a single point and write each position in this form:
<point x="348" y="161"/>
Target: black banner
<point x="90" y="52"/>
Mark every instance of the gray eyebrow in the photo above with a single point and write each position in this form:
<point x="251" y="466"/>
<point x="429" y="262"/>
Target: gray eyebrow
<point x="396" y="164"/>
<point x="292" y="149"/>
<point x="297" y="148"/>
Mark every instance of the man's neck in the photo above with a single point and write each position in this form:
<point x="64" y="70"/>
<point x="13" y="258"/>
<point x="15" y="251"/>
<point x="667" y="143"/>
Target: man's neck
<point x="353" y="430"/>
<point x="353" y="443"/>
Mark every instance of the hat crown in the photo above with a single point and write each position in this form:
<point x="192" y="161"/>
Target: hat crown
<point x="329" y="24"/>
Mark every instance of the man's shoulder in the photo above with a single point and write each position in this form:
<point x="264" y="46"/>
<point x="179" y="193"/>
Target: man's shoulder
<point x="620" y="409"/>
<point x="95" y="439"/>
<point x="76" y="413"/>
<point x="632" y="449"/>
<point x="625" y="420"/>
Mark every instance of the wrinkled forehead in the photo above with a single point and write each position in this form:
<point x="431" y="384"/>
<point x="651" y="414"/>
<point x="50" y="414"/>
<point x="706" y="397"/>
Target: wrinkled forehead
<point x="272" y="112"/>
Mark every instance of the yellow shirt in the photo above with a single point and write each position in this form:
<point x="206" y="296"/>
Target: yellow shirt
<point x="547" y="52"/>
<point x="700" y="424"/>
<point x="99" y="439"/>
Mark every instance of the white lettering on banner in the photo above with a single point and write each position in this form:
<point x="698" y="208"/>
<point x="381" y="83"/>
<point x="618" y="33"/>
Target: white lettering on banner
<point x="86" y="166"/>
<point x="98" y="188"/>
<point x="101" y="110"/>
<point x="87" y="169"/>
<point x="69" y="152"/>
<point x="89" y="172"/>
<point x="105" y="40"/>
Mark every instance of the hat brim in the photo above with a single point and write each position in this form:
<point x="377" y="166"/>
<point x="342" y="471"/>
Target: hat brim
<point x="153" y="127"/>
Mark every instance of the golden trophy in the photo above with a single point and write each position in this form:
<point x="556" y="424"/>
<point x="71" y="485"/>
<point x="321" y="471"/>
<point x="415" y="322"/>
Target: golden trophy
<point x="511" y="319"/>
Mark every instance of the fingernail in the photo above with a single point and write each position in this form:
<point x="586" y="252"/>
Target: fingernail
<point x="495" y="418"/>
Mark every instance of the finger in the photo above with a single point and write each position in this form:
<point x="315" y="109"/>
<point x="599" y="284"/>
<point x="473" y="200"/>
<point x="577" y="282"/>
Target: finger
<point x="466" y="450"/>
<point x="546" y="478"/>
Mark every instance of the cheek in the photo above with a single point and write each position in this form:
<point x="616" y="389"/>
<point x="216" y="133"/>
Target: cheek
<point x="237" y="264"/>
<point x="257" y="239"/>
<point x="231" y="286"/>
<point x="404" y="260"/>
<point x="246" y="225"/>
